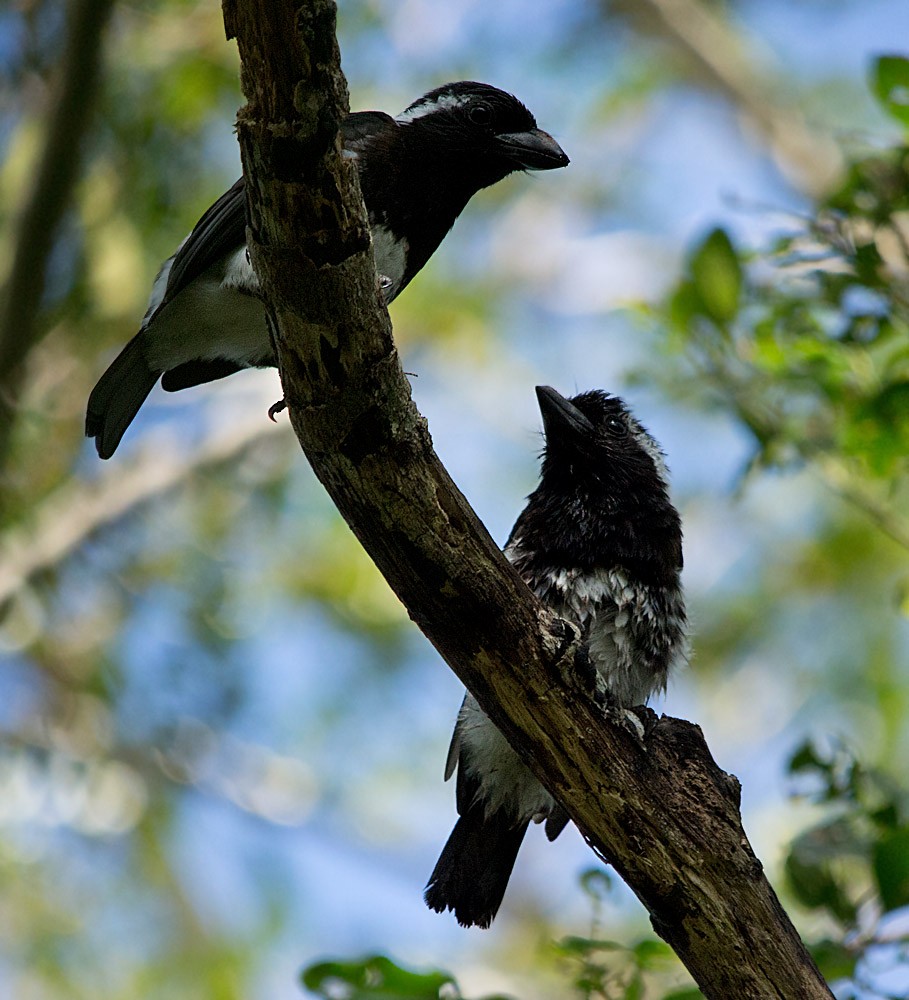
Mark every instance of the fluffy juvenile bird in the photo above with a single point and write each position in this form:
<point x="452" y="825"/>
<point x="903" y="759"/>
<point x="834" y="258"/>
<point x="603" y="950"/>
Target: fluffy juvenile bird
<point x="601" y="543"/>
<point x="417" y="172"/>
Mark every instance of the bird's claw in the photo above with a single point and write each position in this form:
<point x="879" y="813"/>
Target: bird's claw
<point x="640" y="721"/>
<point x="275" y="409"/>
<point x="630" y="719"/>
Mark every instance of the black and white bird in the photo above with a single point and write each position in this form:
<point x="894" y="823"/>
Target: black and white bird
<point x="601" y="543"/>
<point x="417" y="172"/>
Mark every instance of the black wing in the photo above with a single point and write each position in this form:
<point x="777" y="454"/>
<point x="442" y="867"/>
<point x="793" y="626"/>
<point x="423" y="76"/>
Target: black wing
<point x="360" y="129"/>
<point x="221" y="229"/>
<point x="223" y="226"/>
<point x="198" y="372"/>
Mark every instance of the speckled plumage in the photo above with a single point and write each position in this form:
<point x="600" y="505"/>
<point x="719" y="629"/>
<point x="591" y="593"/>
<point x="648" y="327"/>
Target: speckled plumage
<point x="600" y="542"/>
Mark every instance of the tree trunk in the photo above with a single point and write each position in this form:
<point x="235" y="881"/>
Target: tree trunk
<point x="659" y="810"/>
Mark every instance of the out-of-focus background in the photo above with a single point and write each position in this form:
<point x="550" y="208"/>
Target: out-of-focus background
<point x="221" y="738"/>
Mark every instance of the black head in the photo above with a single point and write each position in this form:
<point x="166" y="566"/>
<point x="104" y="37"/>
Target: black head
<point x="489" y="126"/>
<point x="594" y="437"/>
<point x="603" y="493"/>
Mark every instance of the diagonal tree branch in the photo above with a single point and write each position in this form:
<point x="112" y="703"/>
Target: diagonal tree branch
<point x="659" y="810"/>
<point x="66" y="519"/>
<point x="720" y="56"/>
<point x="55" y="176"/>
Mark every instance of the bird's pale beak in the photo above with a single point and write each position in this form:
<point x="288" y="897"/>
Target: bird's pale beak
<point x="533" y="150"/>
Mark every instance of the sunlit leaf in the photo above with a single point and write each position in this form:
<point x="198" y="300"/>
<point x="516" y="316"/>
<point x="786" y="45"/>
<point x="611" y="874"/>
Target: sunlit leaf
<point x="890" y="81"/>
<point x="684" y="305"/>
<point x="374" y="978"/>
<point x="574" y="944"/>
<point x="634" y="990"/>
<point x="651" y="953"/>
<point x="717" y="276"/>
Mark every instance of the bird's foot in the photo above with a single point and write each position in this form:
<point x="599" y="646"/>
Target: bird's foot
<point x="638" y="721"/>
<point x="275" y="409"/>
<point x="632" y="722"/>
<point x="592" y="681"/>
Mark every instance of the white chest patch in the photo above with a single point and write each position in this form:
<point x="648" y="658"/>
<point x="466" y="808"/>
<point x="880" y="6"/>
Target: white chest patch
<point x="634" y="634"/>
<point x="503" y="779"/>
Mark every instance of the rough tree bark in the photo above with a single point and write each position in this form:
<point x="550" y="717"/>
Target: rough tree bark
<point x="660" y="811"/>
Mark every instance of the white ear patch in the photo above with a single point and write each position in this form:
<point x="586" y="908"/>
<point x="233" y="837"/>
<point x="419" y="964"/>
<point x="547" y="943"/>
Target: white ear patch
<point x="649" y="445"/>
<point x="441" y="102"/>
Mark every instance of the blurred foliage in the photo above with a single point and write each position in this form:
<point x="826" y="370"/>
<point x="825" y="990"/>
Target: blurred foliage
<point x="378" y="978"/>
<point x="177" y="655"/>
<point x="602" y="969"/>
<point x="809" y="347"/>
<point x="890" y="79"/>
<point x="851" y="869"/>
<point x="596" y="968"/>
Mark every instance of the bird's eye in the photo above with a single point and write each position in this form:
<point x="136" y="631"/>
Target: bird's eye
<point x="616" y="427"/>
<point x="480" y="114"/>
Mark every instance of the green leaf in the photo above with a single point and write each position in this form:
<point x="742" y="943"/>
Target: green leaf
<point x="867" y="260"/>
<point x="833" y="959"/>
<point x="815" y="886"/>
<point x="806" y="758"/>
<point x="890" y="82"/>
<point x="684" y="305"/>
<point x="886" y="816"/>
<point x="596" y="883"/>
<point x="575" y="945"/>
<point x="717" y="276"/>
<point x="634" y="990"/>
<point x="373" y="978"/>
<point x="687" y="994"/>
<point x="650" y="953"/>
<point x="891" y="868"/>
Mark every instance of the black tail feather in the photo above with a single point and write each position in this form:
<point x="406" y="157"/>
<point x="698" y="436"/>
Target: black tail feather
<point x="472" y="872"/>
<point x="117" y="397"/>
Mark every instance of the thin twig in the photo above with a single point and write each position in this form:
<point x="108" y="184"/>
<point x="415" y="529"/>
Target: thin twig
<point x="837" y="478"/>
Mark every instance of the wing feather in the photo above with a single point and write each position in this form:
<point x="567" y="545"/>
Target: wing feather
<point x="362" y="128"/>
<point x="221" y="229"/>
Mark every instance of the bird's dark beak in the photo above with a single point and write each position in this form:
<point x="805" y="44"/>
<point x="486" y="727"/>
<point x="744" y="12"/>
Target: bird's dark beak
<point x="533" y="150"/>
<point x="562" y="419"/>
